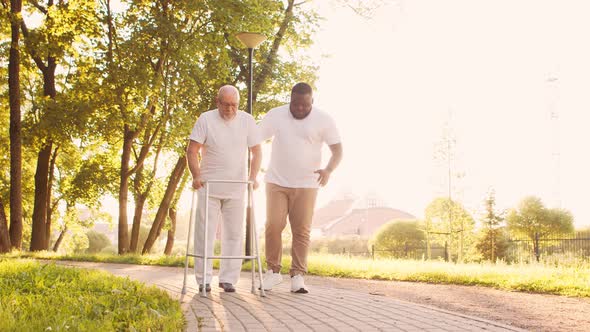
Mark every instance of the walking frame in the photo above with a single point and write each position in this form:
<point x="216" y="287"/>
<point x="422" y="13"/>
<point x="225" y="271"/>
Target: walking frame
<point x="253" y="237"/>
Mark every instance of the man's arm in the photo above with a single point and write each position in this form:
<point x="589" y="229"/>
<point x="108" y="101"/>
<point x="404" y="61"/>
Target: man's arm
<point x="256" y="151"/>
<point x="192" y="156"/>
<point x="266" y="126"/>
<point x="324" y="174"/>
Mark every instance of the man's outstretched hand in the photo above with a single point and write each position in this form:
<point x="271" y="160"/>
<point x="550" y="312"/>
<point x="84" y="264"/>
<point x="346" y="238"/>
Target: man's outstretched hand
<point x="324" y="176"/>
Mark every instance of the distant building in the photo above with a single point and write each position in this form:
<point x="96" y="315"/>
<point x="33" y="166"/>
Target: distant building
<point x="353" y="216"/>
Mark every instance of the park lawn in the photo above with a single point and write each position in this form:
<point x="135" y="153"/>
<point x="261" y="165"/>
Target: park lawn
<point x="46" y="297"/>
<point x="566" y="279"/>
<point x="535" y="278"/>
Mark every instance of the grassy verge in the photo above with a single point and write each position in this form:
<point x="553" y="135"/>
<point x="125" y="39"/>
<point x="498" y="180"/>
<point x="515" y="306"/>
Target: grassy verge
<point x="47" y="297"/>
<point x="536" y="278"/>
<point x="573" y="280"/>
<point x="160" y="260"/>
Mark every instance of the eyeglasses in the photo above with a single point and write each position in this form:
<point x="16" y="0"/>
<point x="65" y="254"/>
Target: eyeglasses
<point x="228" y="105"/>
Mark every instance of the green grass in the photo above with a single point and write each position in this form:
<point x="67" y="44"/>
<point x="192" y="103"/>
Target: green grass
<point x="47" y="297"/>
<point x="160" y="260"/>
<point x="549" y="278"/>
<point x="537" y="278"/>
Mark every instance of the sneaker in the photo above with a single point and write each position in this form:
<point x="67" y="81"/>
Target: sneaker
<point x="227" y="287"/>
<point x="297" y="284"/>
<point x="271" y="279"/>
<point x="207" y="288"/>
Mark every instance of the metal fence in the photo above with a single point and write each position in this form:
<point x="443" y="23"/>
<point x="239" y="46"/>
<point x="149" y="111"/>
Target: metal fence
<point x="553" y="246"/>
<point x="407" y="252"/>
<point x="537" y="246"/>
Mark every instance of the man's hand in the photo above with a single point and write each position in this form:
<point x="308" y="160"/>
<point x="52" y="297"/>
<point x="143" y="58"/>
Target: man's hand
<point x="324" y="176"/>
<point x="197" y="183"/>
<point x="255" y="184"/>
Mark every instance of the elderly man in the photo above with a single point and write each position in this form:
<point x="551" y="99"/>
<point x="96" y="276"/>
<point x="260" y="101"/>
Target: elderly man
<point x="223" y="136"/>
<point x="293" y="178"/>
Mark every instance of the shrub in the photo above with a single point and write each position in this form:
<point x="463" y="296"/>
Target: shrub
<point x="96" y="241"/>
<point x="395" y="238"/>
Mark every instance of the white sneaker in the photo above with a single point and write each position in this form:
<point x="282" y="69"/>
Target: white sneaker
<point x="297" y="284"/>
<point x="271" y="279"/>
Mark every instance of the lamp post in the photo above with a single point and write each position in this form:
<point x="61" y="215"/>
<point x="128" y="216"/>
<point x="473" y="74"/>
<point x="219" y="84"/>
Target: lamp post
<point x="251" y="40"/>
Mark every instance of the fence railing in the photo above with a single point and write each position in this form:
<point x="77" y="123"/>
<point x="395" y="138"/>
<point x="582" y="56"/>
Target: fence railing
<point x="576" y="245"/>
<point x="407" y="252"/>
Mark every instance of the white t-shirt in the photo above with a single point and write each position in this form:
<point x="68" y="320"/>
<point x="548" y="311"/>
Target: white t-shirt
<point x="224" y="151"/>
<point x="297" y="146"/>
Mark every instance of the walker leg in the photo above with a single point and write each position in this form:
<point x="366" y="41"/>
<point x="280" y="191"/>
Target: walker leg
<point x="255" y="241"/>
<point x="204" y="281"/>
<point x="188" y="242"/>
<point x="252" y="226"/>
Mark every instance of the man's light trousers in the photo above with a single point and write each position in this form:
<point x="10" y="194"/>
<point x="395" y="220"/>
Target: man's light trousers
<point x="231" y="211"/>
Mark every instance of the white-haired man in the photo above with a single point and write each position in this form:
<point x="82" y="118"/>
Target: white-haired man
<point x="222" y="137"/>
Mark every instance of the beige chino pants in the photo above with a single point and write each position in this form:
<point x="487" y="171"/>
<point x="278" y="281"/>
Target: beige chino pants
<point x="297" y="204"/>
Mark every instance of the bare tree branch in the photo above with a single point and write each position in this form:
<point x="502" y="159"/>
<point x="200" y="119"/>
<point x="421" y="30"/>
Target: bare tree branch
<point x="38" y="6"/>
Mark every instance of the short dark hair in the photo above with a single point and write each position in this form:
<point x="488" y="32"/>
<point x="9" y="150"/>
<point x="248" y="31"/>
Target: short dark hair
<point x="302" y="89"/>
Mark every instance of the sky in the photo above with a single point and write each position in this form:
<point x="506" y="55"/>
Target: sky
<point x="494" y="72"/>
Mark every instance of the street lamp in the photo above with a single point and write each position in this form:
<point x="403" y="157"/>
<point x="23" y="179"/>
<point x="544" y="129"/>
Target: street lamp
<point x="251" y="40"/>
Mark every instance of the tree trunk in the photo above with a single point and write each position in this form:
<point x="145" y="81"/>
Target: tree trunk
<point x="123" y="238"/>
<point x="172" y="214"/>
<point x="141" y="192"/>
<point x="171" y="231"/>
<point x="40" y="208"/>
<point x="60" y="238"/>
<point x="16" y="203"/>
<point x="49" y="200"/>
<point x="428" y="254"/>
<point x="461" y="242"/>
<point x="175" y="178"/>
<point x="4" y="236"/>
<point x="139" y="204"/>
<point x="38" y="236"/>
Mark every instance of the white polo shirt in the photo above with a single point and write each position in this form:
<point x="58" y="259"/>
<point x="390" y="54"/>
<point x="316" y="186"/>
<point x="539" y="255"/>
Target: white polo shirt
<point x="297" y="146"/>
<point x="224" y="151"/>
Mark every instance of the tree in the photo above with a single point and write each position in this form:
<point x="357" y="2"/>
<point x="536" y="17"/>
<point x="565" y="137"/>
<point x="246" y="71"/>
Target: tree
<point x="531" y="217"/>
<point x="363" y="8"/>
<point x="49" y="45"/>
<point x="395" y="238"/>
<point x="533" y="220"/>
<point x="4" y="236"/>
<point x="492" y="242"/>
<point x="451" y="223"/>
<point x="446" y="158"/>
<point x="16" y="206"/>
<point x="4" y="162"/>
<point x="145" y="61"/>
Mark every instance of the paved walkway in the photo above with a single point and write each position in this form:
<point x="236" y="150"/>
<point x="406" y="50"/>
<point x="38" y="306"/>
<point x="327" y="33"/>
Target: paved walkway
<point x="323" y="309"/>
